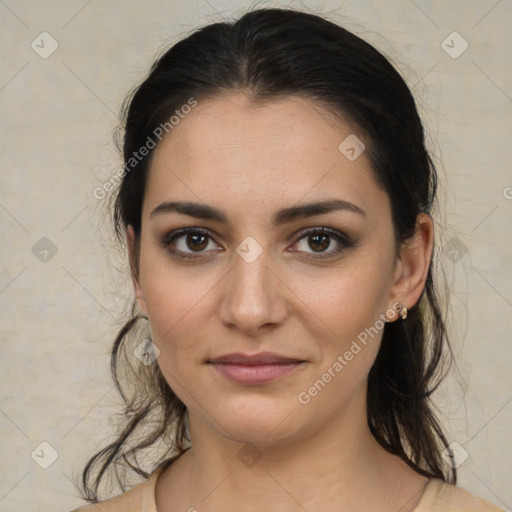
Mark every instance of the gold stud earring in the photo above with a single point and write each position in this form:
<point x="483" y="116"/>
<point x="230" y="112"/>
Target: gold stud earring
<point x="403" y="312"/>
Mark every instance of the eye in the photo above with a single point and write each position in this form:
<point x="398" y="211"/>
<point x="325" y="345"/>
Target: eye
<point x="185" y="242"/>
<point x="321" y="239"/>
<point x="196" y="242"/>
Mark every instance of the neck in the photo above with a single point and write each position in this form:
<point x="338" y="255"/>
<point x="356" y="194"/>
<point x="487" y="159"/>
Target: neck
<point x="341" y="467"/>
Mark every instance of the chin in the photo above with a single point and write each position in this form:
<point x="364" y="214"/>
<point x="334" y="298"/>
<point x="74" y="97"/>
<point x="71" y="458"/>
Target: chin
<point x="260" y="420"/>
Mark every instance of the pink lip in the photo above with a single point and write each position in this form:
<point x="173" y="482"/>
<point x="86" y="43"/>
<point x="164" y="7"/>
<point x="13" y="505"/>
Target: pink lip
<point x="255" y="369"/>
<point x="260" y="358"/>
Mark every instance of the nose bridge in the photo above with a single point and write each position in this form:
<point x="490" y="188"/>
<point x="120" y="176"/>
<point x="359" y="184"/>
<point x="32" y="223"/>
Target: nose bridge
<point x="252" y="295"/>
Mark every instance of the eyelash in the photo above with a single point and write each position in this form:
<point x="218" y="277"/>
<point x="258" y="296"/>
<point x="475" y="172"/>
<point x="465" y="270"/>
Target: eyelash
<point x="342" y="240"/>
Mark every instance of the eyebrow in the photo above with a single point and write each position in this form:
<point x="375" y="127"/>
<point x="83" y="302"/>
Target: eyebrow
<point x="283" y="216"/>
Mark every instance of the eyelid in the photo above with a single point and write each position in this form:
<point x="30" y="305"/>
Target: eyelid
<point x="172" y="235"/>
<point x="169" y="238"/>
<point x="341" y="238"/>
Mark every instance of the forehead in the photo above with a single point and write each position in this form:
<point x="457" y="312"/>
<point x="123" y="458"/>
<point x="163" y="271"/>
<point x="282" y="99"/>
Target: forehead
<point x="235" y="154"/>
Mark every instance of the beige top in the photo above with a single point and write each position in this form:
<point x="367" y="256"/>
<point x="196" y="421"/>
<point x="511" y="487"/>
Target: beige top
<point x="438" y="496"/>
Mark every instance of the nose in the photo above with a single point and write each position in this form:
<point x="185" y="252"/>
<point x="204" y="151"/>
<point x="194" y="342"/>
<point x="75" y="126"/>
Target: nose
<point x="254" y="298"/>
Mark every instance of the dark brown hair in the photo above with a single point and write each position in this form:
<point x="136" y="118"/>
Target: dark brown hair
<point x="266" y="54"/>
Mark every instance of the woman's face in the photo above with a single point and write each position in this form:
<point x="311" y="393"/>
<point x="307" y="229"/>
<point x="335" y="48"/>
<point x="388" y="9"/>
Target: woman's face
<point x="266" y="273"/>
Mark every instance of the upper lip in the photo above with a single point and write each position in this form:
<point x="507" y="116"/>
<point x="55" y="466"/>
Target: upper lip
<point x="260" y="358"/>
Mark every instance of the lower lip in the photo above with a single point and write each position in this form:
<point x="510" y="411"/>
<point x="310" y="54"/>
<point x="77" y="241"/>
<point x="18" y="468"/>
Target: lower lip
<point x="255" y="373"/>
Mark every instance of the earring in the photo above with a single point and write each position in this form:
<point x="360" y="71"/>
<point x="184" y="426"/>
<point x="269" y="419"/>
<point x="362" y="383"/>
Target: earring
<point x="400" y="309"/>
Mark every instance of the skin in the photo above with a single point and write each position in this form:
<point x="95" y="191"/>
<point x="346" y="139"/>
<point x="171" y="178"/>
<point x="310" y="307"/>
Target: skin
<point x="251" y="161"/>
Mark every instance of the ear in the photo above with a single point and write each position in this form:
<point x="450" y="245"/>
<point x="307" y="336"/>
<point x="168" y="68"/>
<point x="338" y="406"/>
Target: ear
<point x="413" y="263"/>
<point x="133" y="255"/>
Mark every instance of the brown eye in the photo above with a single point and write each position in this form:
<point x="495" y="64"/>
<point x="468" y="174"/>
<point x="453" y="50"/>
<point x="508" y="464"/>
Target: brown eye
<point x="189" y="243"/>
<point x="196" y="242"/>
<point x="319" y="242"/>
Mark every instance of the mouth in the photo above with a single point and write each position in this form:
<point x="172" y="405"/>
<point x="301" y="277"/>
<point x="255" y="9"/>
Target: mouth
<point x="255" y="369"/>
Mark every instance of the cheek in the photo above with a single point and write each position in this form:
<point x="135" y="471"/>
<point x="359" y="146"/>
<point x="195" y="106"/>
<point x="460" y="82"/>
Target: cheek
<point x="347" y="334"/>
<point x="179" y="303"/>
<point x="175" y="330"/>
<point x="172" y="292"/>
<point x="345" y="301"/>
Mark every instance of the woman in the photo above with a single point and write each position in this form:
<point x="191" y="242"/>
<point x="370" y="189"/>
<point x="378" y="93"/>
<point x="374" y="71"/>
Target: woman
<point x="275" y="201"/>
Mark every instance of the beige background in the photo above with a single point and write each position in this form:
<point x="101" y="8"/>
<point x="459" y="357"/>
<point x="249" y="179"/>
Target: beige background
<point x="58" y="317"/>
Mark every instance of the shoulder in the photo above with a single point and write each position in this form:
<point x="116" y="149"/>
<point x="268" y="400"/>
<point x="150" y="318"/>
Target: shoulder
<point x="442" y="497"/>
<point x="139" y="497"/>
